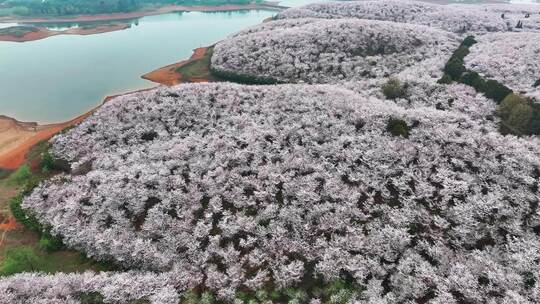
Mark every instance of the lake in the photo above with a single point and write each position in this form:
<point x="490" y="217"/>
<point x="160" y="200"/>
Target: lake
<point x="58" y="78"/>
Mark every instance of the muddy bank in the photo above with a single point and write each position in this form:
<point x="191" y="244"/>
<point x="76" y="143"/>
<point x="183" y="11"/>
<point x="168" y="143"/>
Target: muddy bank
<point x="194" y="69"/>
<point x="139" y="14"/>
<point x="16" y="138"/>
<point x="32" y="33"/>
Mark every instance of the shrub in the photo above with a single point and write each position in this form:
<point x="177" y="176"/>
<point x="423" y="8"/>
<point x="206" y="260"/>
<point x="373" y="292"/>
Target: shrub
<point x="20" y="259"/>
<point x="504" y="110"/>
<point x="519" y="119"/>
<point x="496" y="91"/>
<point x="20" y="215"/>
<point x="208" y="298"/>
<point x="21" y="176"/>
<point x="398" y="127"/>
<point x="190" y="297"/>
<point x="468" y="41"/>
<point x="394" y="89"/>
<point x="454" y="68"/>
<point x="49" y="163"/>
<point x="534" y="123"/>
<point x="91" y="298"/>
<point x="50" y="243"/>
<point x="445" y="79"/>
<point x="516" y="114"/>
<point x="242" y="78"/>
<point x="474" y="80"/>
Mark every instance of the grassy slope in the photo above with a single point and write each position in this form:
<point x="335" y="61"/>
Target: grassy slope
<point x="17" y="239"/>
<point x="198" y="68"/>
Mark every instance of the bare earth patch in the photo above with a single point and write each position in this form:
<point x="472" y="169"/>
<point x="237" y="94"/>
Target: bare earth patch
<point x="195" y="69"/>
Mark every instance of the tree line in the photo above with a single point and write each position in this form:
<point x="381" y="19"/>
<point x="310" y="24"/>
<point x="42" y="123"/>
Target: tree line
<point x="74" y="7"/>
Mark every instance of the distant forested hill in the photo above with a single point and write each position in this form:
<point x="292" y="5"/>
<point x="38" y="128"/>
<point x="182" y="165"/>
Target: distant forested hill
<point x="74" y="7"/>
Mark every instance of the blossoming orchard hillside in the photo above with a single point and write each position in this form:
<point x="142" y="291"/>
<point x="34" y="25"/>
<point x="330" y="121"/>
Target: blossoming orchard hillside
<point x="329" y="51"/>
<point x="454" y="18"/>
<point x="128" y="287"/>
<point x="289" y="184"/>
<point x="383" y="152"/>
<point x="511" y="58"/>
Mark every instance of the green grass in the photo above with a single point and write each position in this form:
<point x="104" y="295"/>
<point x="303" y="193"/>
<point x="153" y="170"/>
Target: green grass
<point x="199" y="68"/>
<point x="30" y="258"/>
<point x="33" y="248"/>
<point x="20" y="177"/>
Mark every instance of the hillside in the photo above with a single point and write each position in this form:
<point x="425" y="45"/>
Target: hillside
<point x="455" y="19"/>
<point x="330" y="51"/>
<point x="369" y="152"/>
<point x="210" y="194"/>
<point x="511" y="58"/>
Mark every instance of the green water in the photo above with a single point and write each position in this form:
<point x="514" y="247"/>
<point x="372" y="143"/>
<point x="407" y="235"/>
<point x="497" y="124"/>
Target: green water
<point x="60" y="77"/>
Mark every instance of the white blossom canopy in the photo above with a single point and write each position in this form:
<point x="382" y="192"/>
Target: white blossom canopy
<point x="453" y="18"/>
<point x="234" y="187"/>
<point x="510" y="58"/>
<point x="332" y="51"/>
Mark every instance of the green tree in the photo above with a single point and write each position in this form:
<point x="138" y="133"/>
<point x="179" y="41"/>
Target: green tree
<point x="474" y="80"/>
<point x="47" y="162"/>
<point x="394" y="89"/>
<point x="21" y="176"/>
<point x="20" y="215"/>
<point x="496" y="91"/>
<point x="519" y="119"/>
<point x="455" y="68"/>
<point x="516" y="114"/>
<point x="398" y="127"/>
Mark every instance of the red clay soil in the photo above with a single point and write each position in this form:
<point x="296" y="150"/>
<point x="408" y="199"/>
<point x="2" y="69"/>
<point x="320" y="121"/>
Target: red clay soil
<point x="139" y="14"/>
<point x="15" y="157"/>
<point x="9" y="225"/>
<point x="43" y="33"/>
<point x="169" y="76"/>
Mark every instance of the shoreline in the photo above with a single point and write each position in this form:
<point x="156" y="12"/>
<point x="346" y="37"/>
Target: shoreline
<point x="20" y="137"/>
<point x="42" y="32"/>
<point x="17" y="137"/>
<point x="169" y="74"/>
<point x="139" y="14"/>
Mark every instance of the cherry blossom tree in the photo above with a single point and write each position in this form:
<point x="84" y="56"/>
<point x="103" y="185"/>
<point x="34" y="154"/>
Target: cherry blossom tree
<point x="510" y="58"/>
<point x="228" y="188"/>
<point x="232" y="187"/>
<point x="331" y="51"/>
